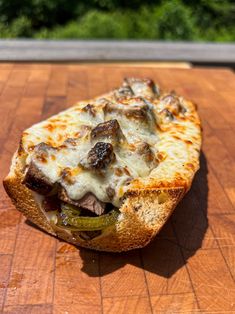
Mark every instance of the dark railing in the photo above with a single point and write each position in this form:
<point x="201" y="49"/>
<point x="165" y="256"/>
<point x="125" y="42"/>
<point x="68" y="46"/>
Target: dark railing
<point x="115" y="50"/>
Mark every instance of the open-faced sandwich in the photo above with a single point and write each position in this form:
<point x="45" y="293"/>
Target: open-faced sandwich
<point x="107" y="173"/>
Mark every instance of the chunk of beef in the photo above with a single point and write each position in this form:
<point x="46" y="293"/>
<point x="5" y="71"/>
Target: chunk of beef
<point x="110" y="192"/>
<point x="145" y="150"/>
<point x="41" y="152"/>
<point x="70" y="142"/>
<point x="90" y="109"/>
<point x="66" y="175"/>
<point x="123" y="91"/>
<point x="51" y="203"/>
<point x="42" y="147"/>
<point x="91" y="203"/>
<point x="138" y="113"/>
<point x="88" y="202"/>
<point x="173" y="104"/>
<point x="132" y="108"/>
<point x="109" y="129"/>
<point x="100" y="156"/>
<point x="142" y="87"/>
<point x="35" y="180"/>
<point x="168" y="116"/>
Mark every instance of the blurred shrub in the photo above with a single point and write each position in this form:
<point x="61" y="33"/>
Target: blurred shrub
<point x="211" y="20"/>
<point x="168" y="21"/>
<point x="40" y="12"/>
<point x="20" y="27"/>
<point x="175" y="21"/>
<point x="94" y="24"/>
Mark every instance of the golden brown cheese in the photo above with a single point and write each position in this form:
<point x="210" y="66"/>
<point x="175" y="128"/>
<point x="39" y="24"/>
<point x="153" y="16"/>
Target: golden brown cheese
<point x="167" y="124"/>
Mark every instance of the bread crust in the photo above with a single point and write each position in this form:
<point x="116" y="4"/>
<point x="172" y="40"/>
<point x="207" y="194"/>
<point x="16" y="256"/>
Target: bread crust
<point x="24" y="201"/>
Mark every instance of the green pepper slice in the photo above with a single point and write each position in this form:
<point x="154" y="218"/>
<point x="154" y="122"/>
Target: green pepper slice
<point x="70" y="210"/>
<point x="89" y="223"/>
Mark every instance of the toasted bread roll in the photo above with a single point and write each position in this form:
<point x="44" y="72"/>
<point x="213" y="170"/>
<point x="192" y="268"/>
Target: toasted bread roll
<point x="117" y="183"/>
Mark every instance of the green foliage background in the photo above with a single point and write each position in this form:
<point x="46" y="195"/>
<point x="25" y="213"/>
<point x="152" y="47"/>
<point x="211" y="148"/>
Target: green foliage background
<point x="202" y="20"/>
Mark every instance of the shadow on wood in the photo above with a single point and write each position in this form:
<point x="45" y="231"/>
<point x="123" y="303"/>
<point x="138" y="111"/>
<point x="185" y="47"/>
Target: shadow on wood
<point x="179" y="239"/>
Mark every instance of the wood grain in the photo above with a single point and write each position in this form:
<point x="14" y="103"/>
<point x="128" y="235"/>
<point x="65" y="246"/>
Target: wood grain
<point x="28" y="309"/>
<point x="212" y="281"/>
<point x="177" y="303"/>
<point x="122" y="275"/>
<point x="188" y="268"/>
<point x="32" y="275"/>
<point x="122" y="305"/>
<point x="165" y="269"/>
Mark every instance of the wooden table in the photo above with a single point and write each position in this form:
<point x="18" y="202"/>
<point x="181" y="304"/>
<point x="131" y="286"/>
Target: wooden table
<point x="188" y="268"/>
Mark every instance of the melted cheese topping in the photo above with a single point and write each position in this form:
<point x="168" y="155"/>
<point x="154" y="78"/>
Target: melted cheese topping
<point x="172" y="134"/>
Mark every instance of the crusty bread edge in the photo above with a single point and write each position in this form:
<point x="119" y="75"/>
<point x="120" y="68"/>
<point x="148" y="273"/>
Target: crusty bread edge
<point x="22" y="197"/>
<point x="142" y="216"/>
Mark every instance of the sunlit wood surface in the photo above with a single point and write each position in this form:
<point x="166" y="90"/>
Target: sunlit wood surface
<point x="188" y="268"/>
